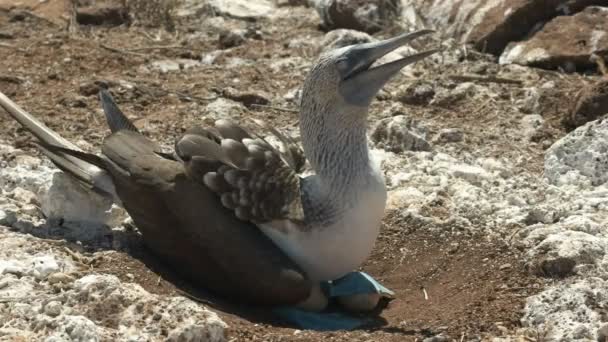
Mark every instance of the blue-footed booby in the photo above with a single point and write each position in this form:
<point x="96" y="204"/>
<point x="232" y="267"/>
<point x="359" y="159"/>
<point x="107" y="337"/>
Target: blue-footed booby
<point x="230" y="211"/>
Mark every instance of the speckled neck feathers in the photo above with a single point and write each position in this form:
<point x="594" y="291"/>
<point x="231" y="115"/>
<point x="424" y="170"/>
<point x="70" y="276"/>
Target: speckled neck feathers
<point x="335" y="143"/>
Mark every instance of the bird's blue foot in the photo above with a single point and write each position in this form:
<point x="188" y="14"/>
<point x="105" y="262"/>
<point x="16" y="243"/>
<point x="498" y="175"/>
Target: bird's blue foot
<point x="357" y="291"/>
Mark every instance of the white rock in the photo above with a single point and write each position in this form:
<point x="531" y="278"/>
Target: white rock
<point x="530" y="124"/>
<point x="167" y="65"/>
<point x="75" y="328"/>
<point x="242" y="9"/>
<point x="470" y="173"/>
<point x="224" y="109"/>
<point x="23" y="196"/>
<point x="568" y="311"/>
<point x="559" y="253"/>
<point x="112" y="297"/>
<point x="43" y="266"/>
<point x="66" y="199"/>
<point x="580" y="154"/>
<point x="53" y="308"/>
<point x="403" y="198"/>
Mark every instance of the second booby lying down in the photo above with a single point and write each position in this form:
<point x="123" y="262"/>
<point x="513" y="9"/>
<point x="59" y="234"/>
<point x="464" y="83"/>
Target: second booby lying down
<point x="230" y="211"/>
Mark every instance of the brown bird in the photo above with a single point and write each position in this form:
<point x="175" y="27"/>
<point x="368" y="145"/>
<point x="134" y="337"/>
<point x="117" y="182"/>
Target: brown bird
<point x="228" y="210"/>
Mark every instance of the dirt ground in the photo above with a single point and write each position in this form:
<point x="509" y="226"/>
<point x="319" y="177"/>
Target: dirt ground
<point x="475" y="286"/>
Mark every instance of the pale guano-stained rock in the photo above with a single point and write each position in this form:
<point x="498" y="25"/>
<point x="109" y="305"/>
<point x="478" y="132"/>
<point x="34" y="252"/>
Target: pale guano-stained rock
<point x="65" y="306"/>
<point x="565" y="42"/>
<point x="362" y="15"/>
<point x="568" y="311"/>
<point x="580" y="157"/>
<point x="84" y="206"/>
<point x="592" y="103"/>
<point x="242" y="9"/>
<point x="398" y="134"/>
<point x="558" y="254"/>
<point x="224" y="109"/>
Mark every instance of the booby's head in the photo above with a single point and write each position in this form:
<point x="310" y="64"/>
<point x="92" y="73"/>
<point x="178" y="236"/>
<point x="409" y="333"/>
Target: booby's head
<point x="345" y="76"/>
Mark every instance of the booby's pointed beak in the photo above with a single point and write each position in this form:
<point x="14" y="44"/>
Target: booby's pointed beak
<point x="360" y="83"/>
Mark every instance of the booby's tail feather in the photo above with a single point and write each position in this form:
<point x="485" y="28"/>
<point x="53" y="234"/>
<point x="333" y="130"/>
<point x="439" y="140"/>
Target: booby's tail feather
<point x="55" y="148"/>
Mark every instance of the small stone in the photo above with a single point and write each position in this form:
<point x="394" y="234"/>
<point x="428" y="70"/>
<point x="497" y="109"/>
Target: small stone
<point x="398" y="134"/>
<point x="248" y="98"/>
<point x="438" y="338"/>
<point x="29" y="161"/>
<point x="168" y="65"/>
<point x="14" y="269"/>
<point x="472" y="174"/>
<point x="59" y="277"/>
<point x="363" y="15"/>
<point x="23" y="196"/>
<point x="531" y="124"/>
<point x="417" y="93"/>
<point x="74" y="102"/>
<point x="44" y="266"/>
<point x="223" y="108"/>
<point x="242" y="9"/>
<point x="88" y="89"/>
<point x="102" y="15"/>
<point x="505" y="266"/>
<point x="447" y="98"/>
<point x="53" y="308"/>
<point x="450" y="135"/>
<point x="30" y="210"/>
<point x="231" y="38"/>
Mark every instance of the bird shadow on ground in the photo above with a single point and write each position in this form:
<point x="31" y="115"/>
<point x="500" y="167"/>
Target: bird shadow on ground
<point x="131" y="261"/>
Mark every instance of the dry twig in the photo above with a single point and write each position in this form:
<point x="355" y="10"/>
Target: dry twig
<point x="167" y="47"/>
<point x="275" y="108"/>
<point x="484" y="79"/>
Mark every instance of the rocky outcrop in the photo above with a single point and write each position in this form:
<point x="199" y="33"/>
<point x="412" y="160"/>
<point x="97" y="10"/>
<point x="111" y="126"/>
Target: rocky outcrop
<point x="362" y="15"/>
<point x="580" y="157"/>
<point x="44" y="298"/>
<point x="565" y="42"/>
<point x="492" y="25"/>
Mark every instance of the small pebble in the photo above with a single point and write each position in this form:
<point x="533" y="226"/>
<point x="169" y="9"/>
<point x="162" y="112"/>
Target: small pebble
<point x="450" y="135"/>
<point x="53" y="308"/>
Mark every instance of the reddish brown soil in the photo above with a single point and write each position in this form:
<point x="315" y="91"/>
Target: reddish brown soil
<point x="474" y="286"/>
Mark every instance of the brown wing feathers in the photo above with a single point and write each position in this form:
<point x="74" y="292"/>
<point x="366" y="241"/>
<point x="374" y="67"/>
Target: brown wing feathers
<point x="252" y="178"/>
